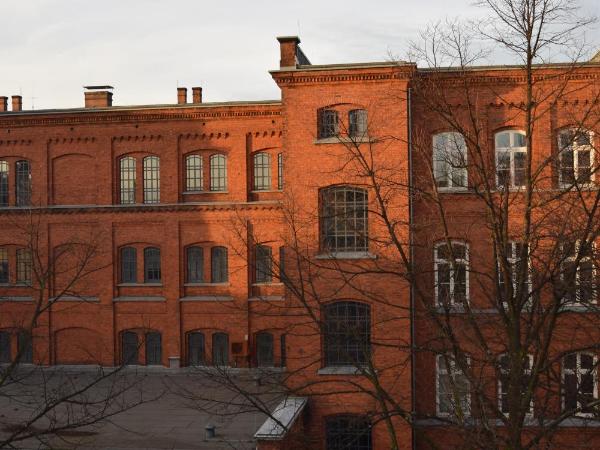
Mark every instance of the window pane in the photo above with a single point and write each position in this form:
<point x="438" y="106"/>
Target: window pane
<point x="584" y="166"/>
<point x="220" y="353"/>
<point x="127" y="179"/>
<point x="3" y="183"/>
<point x="195" y="349"/>
<point x="130" y="347"/>
<point x="218" y="173"/>
<point x="520" y="168"/>
<point x="357" y="119"/>
<point x="128" y="265"/>
<point x="25" y="347"/>
<point x="195" y="265"/>
<point x="263" y="264"/>
<point x="219" y="265"/>
<point x="23" y="183"/>
<point x="194" y="180"/>
<point x="153" y="349"/>
<point x="3" y="265"/>
<point x="344" y="219"/>
<point x="280" y="171"/>
<point x="328" y="123"/>
<point x="152" y="265"/>
<point x="23" y="266"/>
<point x="262" y="172"/>
<point x="348" y="433"/>
<point x="152" y="179"/>
<point x="264" y="349"/>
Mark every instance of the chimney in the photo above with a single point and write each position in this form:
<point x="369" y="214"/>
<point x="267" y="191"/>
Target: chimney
<point x="3" y="104"/>
<point x="98" y="96"/>
<point x="181" y="96"/>
<point x="288" y="46"/>
<point x="17" y="103"/>
<point x="197" y="94"/>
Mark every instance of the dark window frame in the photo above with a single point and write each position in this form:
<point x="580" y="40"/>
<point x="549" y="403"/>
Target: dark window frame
<point x="219" y="264"/>
<point x="328" y="123"/>
<point x="220" y="349"/>
<point x="4" y="266"/>
<point x="348" y="432"/>
<point x="199" y="358"/>
<point x="24" y="265"/>
<point x="4" y="173"/>
<point x="23" y="183"/>
<point x="128" y="260"/>
<point x="346" y="334"/>
<point x="153" y="341"/>
<point x="263" y="264"/>
<point x="194" y="264"/>
<point x="344" y="219"/>
<point x="357" y="123"/>
<point x="152" y="265"/>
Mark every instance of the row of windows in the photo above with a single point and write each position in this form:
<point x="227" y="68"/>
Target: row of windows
<point x="22" y="183"/>
<point x="579" y="385"/>
<point x="328" y="123"/>
<point x="575" y="162"/>
<point x="451" y="267"/>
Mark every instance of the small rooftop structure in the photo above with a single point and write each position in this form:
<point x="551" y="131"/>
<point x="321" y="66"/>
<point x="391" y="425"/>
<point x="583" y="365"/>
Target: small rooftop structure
<point x="281" y="419"/>
<point x="98" y="88"/>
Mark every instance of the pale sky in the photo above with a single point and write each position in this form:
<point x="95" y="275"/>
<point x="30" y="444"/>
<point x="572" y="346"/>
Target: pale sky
<point x="49" y="49"/>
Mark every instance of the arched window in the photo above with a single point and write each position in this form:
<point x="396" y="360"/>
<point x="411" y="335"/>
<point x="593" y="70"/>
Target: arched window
<point x="195" y="264"/>
<point x="218" y="173"/>
<point x="453" y="388"/>
<point x="220" y="349"/>
<point x="450" y="160"/>
<point x="511" y="159"/>
<point x="327" y="123"/>
<point x="128" y="265"/>
<point x="451" y="273"/>
<point x="3" y="265"/>
<point x="344" y="219"/>
<point x="23" y="266"/>
<point x="576" y="157"/>
<point x="23" y="183"/>
<point x="129" y="347"/>
<point x="127" y="176"/>
<point x="263" y="264"/>
<point x="25" y="345"/>
<point x="152" y="265"/>
<point x="264" y="349"/>
<point x="151" y="179"/>
<point x="3" y="183"/>
<point x="346" y="432"/>
<point x="153" y="349"/>
<point x="504" y="381"/>
<point x="580" y="383"/>
<point x="5" y="353"/>
<point x="357" y="123"/>
<point x="280" y="171"/>
<point x="347" y="329"/>
<point x="262" y="171"/>
<point x="218" y="262"/>
<point x="195" y="348"/>
<point x="194" y="176"/>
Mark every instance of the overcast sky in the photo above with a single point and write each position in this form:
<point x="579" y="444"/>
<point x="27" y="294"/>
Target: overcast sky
<point x="49" y="49"/>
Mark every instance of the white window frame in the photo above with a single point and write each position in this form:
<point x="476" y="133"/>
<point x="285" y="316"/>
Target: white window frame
<point x="575" y="148"/>
<point x="453" y="372"/>
<point x="438" y="260"/>
<point x="530" y="413"/>
<point x="446" y="157"/>
<point x="578" y="372"/>
<point x="512" y="260"/>
<point x="572" y="258"/>
<point x="512" y="149"/>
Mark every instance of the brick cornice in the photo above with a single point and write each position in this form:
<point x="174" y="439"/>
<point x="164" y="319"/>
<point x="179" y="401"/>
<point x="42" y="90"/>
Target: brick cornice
<point x="307" y="77"/>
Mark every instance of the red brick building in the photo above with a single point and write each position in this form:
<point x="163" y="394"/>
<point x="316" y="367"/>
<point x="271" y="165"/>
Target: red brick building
<point x="195" y="210"/>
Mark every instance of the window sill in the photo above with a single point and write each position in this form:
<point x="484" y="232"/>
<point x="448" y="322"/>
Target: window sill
<point x="139" y="298"/>
<point x="341" y="370"/>
<point x="266" y="191"/>
<point x="346" y="255"/>
<point x="206" y="298"/>
<point x="343" y="140"/>
<point x="205" y="284"/>
<point x="12" y="298"/>
<point x="71" y="298"/>
<point x="267" y="298"/>
<point x="268" y="283"/>
<point x="193" y="192"/>
<point x="574" y="307"/>
<point x="139" y="285"/>
<point x="15" y="285"/>
<point x="454" y="190"/>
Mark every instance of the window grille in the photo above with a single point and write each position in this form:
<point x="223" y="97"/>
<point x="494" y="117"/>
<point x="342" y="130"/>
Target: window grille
<point x="504" y="381"/>
<point x="263" y="262"/>
<point x="218" y="173"/>
<point x="195" y="348"/>
<point x="513" y="253"/>
<point x="152" y="265"/>
<point x="348" y="433"/>
<point x="194" y="174"/>
<point x="151" y="179"/>
<point x="218" y="261"/>
<point x="128" y="265"/>
<point x="578" y="274"/>
<point x="328" y="124"/>
<point x="264" y="349"/>
<point x="450" y="160"/>
<point x="23" y="266"/>
<point x="153" y="348"/>
<point x="347" y="329"/>
<point x="23" y="183"/>
<point x="127" y="179"/>
<point x="262" y="172"/>
<point x="344" y="220"/>
<point x="220" y="349"/>
<point x="195" y="264"/>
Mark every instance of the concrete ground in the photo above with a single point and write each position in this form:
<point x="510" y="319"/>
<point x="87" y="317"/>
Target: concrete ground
<point x="153" y="408"/>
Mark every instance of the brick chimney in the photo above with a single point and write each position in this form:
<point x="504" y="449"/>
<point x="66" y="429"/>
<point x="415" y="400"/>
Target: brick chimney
<point x="197" y="94"/>
<point x="181" y="96"/>
<point x="17" y="103"/>
<point x="288" y="46"/>
<point x="98" y="96"/>
<point x="3" y="104"/>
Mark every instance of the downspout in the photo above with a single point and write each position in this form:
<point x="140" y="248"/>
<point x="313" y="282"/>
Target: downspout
<point x="411" y="256"/>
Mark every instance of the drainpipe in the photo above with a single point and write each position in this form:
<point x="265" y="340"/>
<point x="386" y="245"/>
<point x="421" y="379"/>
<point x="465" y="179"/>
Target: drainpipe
<point x="411" y="256"/>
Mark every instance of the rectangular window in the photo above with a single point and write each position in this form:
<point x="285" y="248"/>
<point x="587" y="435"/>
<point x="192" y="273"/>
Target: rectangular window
<point x="504" y="382"/>
<point x="262" y="172"/>
<point x="218" y="262"/>
<point x="152" y="265"/>
<point x="280" y="171"/>
<point x="514" y="265"/>
<point x="450" y="160"/>
<point x="451" y="273"/>
<point x="576" y="158"/>
<point x="3" y="266"/>
<point x="23" y="183"/>
<point x="195" y="264"/>
<point x="346" y="432"/>
<point x="357" y="121"/>
<point x="580" y="387"/>
<point x="151" y="179"/>
<point x="153" y="349"/>
<point x="327" y="123"/>
<point x="218" y="173"/>
<point x="453" y="389"/>
<point x="347" y="334"/>
<point x="128" y="265"/>
<point x="3" y="183"/>
<point x="194" y="176"/>
<point x="23" y="266"/>
<point x="127" y="175"/>
<point x="344" y="219"/>
<point x="578" y="274"/>
<point x="25" y="347"/>
<point x="263" y="262"/>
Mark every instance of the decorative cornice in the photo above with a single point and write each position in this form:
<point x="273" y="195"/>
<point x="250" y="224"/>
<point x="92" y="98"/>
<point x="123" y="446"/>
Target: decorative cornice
<point x="82" y="117"/>
<point x="138" y="138"/>
<point x="202" y="136"/>
<point x="170" y="207"/>
<point x="77" y="140"/>
<point x="300" y="77"/>
<point x="13" y="142"/>
<point x="453" y="79"/>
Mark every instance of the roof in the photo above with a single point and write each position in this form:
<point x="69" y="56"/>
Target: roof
<point x="282" y="418"/>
